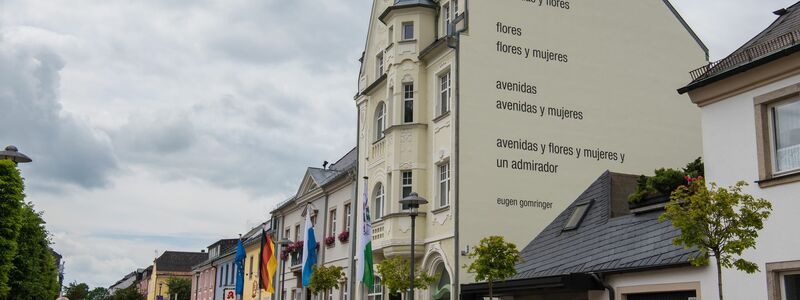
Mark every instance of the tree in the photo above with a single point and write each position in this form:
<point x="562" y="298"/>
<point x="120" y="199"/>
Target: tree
<point x="98" y="293"/>
<point x="77" y="291"/>
<point x="130" y="293"/>
<point x="181" y="286"/>
<point x="11" y="203"/>
<point x="493" y="259"/>
<point x="325" y="279"/>
<point x="722" y="222"/>
<point x="35" y="275"/>
<point x="394" y="275"/>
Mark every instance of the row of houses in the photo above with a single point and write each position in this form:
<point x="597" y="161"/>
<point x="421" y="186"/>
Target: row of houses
<point x="424" y="127"/>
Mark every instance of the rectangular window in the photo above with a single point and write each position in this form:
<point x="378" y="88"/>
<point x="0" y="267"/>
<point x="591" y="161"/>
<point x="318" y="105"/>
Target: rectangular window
<point x="296" y="233"/>
<point x="379" y="65"/>
<point x="408" y="102"/>
<point x="406" y="186"/>
<point x="447" y="18"/>
<point x="347" y="214"/>
<point x="444" y="93"/>
<point x="332" y="225"/>
<point x="287" y="234"/>
<point x="444" y="185"/>
<point x="391" y="34"/>
<point x="790" y="286"/>
<point x="455" y="9"/>
<point x="786" y="136"/>
<point x="376" y="290"/>
<point x="408" y="31"/>
<point x="251" y="268"/>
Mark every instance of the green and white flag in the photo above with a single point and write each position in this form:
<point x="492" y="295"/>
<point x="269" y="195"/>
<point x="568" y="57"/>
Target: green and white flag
<point x="364" y="271"/>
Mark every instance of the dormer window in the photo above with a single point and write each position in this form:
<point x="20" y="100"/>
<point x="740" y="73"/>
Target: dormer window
<point x="408" y="31"/>
<point x="578" y="213"/>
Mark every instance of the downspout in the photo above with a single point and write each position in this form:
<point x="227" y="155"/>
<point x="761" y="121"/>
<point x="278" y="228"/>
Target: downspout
<point x="456" y="160"/>
<point x="324" y="231"/>
<point x="611" y="294"/>
<point x="354" y="212"/>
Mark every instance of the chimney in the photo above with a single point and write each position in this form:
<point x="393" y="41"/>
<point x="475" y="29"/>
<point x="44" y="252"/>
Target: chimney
<point x="325" y="164"/>
<point x="780" y="12"/>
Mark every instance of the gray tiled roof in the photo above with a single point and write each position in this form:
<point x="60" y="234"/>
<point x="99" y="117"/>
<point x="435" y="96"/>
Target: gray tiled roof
<point x="174" y="261"/>
<point x="780" y="36"/>
<point x="342" y="166"/>
<point x="601" y="243"/>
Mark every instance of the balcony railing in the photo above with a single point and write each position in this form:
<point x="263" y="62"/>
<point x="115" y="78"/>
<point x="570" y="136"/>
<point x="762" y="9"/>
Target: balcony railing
<point x="746" y="56"/>
<point x="378" y="148"/>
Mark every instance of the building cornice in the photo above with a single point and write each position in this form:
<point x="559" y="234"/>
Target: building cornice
<point x="744" y="80"/>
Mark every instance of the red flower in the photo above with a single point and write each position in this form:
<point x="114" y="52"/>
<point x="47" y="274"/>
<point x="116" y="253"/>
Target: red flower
<point x="344" y="236"/>
<point x="329" y="241"/>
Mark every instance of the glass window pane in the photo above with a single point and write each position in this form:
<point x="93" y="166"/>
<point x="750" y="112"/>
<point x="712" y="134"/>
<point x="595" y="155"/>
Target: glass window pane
<point x="791" y="286"/>
<point x="787" y="136"/>
<point x="408" y="31"/>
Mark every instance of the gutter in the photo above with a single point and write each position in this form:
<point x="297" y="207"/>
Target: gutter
<point x="611" y="294"/>
<point x="456" y="290"/>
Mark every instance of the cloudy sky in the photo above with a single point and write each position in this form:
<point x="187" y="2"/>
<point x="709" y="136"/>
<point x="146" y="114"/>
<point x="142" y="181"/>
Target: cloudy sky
<point x="168" y="124"/>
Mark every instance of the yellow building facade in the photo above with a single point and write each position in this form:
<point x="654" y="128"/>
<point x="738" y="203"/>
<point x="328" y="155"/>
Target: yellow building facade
<point x="500" y="112"/>
<point x="171" y="264"/>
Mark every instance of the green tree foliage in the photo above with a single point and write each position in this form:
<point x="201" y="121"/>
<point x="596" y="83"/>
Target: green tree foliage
<point x="665" y="181"/>
<point x="35" y="275"/>
<point x="130" y="293"/>
<point x="98" y="293"/>
<point x="325" y="279"/>
<point x="11" y="204"/>
<point x="394" y="276"/>
<point x="493" y="259"/>
<point x="723" y="222"/>
<point x="181" y="286"/>
<point x="77" y="291"/>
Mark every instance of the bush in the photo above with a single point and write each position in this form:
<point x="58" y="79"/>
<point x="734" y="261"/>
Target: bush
<point x="665" y="181"/>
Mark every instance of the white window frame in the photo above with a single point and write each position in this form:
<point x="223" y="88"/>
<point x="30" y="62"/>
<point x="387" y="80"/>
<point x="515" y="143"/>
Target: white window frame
<point x="773" y="136"/>
<point x="332" y="222"/>
<point x="782" y="285"/>
<point x="405" y="31"/>
<point x="448" y="17"/>
<point x="377" y="287"/>
<point x="445" y="91"/>
<point x="348" y="213"/>
<point x="408" y="96"/>
<point x="380" y="201"/>
<point x="380" y="121"/>
<point x="443" y="185"/>
<point x="379" y="64"/>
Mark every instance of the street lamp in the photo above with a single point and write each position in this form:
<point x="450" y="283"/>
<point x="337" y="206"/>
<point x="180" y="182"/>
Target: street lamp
<point x="11" y="153"/>
<point x="283" y="242"/>
<point x="412" y="202"/>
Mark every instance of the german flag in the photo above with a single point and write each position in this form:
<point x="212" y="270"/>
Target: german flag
<point x="268" y="263"/>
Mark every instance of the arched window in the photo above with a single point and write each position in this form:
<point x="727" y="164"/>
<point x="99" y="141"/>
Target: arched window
<point x="380" y="121"/>
<point x="440" y="288"/>
<point x="380" y="196"/>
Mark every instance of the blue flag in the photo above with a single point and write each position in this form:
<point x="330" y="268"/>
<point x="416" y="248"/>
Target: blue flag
<point x="309" y="251"/>
<point x="239" y="261"/>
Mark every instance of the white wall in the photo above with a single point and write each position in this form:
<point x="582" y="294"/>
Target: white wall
<point x="729" y="150"/>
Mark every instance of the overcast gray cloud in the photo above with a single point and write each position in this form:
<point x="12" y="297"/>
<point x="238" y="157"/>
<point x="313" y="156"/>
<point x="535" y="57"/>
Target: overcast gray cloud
<point x="167" y="124"/>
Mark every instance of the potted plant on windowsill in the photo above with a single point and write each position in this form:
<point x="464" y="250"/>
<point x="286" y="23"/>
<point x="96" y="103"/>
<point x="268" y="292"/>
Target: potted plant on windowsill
<point x="344" y="236"/>
<point x="330" y="241"/>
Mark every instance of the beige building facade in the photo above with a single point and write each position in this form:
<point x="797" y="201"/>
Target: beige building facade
<point x="501" y="112"/>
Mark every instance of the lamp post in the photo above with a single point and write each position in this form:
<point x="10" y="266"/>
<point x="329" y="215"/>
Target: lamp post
<point x="11" y="153"/>
<point x="412" y="201"/>
<point x="283" y="242"/>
